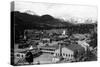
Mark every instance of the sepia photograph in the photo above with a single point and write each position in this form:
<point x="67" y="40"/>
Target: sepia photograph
<point x="51" y="33"/>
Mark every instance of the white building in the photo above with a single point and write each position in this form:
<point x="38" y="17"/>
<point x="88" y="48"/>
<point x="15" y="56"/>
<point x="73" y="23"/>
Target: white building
<point x="68" y="52"/>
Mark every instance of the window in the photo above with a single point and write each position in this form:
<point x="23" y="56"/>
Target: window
<point x="69" y="55"/>
<point x="22" y="55"/>
<point x="63" y="54"/>
<point x="18" y="55"/>
<point x="56" y="54"/>
<point x="66" y="54"/>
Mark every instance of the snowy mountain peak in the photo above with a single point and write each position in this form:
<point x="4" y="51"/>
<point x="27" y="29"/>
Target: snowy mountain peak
<point x="30" y="12"/>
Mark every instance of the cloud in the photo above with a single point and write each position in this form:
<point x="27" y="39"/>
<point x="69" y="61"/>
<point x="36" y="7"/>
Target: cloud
<point x="57" y="10"/>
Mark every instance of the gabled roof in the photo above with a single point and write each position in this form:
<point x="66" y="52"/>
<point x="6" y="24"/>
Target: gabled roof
<point x="75" y="47"/>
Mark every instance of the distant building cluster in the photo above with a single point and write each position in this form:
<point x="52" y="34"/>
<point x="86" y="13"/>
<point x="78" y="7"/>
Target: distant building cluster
<point x="61" y="46"/>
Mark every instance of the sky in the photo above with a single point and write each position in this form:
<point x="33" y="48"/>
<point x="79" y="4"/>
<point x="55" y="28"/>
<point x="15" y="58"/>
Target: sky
<point x="57" y="10"/>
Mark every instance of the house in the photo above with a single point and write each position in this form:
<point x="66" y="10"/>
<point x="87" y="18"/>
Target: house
<point x="66" y="53"/>
<point x="19" y="55"/>
<point x="48" y="49"/>
<point x="84" y="44"/>
<point x="69" y="52"/>
<point x="78" y="36"/>
<point x="45" y="40"/>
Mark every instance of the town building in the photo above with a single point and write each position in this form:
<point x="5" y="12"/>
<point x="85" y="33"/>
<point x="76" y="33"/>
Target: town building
<point x="69" y="52"/>
<point x="84" y="44"/>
